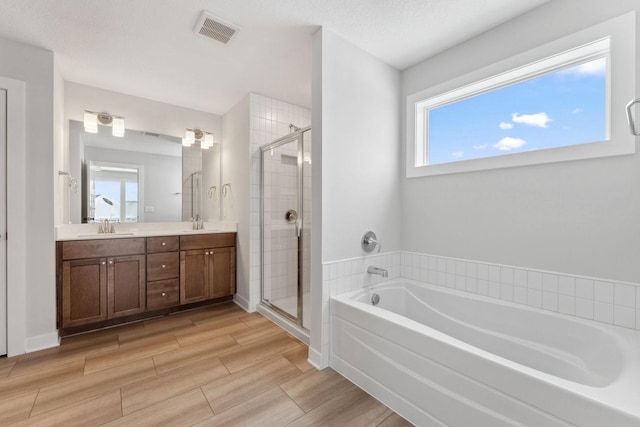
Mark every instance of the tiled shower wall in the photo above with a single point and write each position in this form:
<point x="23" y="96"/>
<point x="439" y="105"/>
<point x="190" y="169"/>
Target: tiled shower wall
<point x="601" y="300"/>
<point x="269" y="121"/>
<point x="280" y="241"/>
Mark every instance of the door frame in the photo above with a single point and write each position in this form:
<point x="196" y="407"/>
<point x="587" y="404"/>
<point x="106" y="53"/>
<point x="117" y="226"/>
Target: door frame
<point x="16" y="215"/>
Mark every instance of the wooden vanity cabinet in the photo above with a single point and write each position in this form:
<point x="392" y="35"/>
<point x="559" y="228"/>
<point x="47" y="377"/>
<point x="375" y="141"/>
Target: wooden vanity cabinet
<point x="163" y="272"/>
<point x="208" y="267"/>
<point x="194" y="280"/>
<point x="126" y="290"/>
<point x="104" y="282"/>
<point x="84" y="291"/>
<point x="101" y="280"/>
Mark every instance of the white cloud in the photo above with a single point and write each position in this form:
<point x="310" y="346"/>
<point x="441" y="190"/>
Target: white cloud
<point x="591" y="68"/>
<point x="508" y="143"/>
<point x="480" y="147"/>
<point x="505" y="125"/>
<point x="458" y="154"/>
<point x="540" y="120"/>
<point x="577" y="111"/>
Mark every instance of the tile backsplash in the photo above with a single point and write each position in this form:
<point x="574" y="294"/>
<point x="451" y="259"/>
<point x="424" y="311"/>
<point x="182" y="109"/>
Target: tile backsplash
<point x="601" y="300"/>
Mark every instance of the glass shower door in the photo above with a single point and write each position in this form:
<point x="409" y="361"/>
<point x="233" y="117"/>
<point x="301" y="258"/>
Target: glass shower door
<point x="282" y="226"/>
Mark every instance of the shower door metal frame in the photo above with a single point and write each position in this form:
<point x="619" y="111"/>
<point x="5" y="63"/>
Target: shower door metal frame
<point x="297" y="135"/>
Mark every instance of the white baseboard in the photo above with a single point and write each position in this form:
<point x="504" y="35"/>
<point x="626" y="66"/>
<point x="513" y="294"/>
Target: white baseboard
<point x="40" y="342"/>
<point x="242" y="302"/>
<point x="315" y="359"/>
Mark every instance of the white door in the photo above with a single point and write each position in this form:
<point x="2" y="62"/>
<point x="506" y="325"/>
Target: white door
<point x="3" y="222"/>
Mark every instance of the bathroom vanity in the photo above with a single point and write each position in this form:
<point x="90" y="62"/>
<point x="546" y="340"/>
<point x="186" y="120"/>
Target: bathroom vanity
<point x="106" y="280"/>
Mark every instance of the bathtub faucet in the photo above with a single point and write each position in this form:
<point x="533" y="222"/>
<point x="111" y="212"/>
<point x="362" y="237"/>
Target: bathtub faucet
<point x="375" y="270"/>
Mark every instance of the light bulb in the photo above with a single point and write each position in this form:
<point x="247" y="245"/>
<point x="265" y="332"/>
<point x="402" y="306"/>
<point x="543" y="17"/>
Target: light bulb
<point x="185" y="142"/>
<point x="90" y="122"/>
<point x="190" y="136"/>
<point x="118" y="126"/>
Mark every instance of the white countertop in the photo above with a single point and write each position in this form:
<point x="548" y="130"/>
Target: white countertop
<point x="149" y="229"/>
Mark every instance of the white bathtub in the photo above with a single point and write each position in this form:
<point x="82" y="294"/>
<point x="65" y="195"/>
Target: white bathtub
<point x="443" y="357"/>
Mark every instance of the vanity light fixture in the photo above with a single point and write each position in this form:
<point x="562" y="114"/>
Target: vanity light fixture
<point x="92" y="119"/>
<point x="90" y="122"/>
<point x="193" y="135"/>
<point x="208" y="140"/>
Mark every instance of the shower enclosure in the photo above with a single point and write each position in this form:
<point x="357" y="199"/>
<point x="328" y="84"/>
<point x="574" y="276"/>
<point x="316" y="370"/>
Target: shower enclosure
<point x="286" y="225"/>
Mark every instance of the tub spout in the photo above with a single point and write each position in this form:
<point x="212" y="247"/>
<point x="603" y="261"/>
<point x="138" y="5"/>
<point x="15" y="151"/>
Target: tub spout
<point x="375" y="270"/>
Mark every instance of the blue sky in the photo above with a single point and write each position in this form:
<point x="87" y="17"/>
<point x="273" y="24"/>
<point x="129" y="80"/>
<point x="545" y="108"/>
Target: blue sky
<point x="563" y="108"/>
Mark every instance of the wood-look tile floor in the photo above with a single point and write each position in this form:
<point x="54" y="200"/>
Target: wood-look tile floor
<point x="217" y="366"/>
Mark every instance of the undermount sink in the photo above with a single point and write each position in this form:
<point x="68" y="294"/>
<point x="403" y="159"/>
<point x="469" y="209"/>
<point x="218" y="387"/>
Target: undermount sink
<point x="105" y="234"/>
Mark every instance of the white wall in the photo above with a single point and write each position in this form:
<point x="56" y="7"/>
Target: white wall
<point x="61" y="146"/>
<point x="576" y="217"/>
<point x="359" y="101"/>
<point x="360" y="157"/>
<point x="236" y="206"/>
<point x="140" y="114"/>
<point x="35" y="67"/>
<point x="318" y="292"/>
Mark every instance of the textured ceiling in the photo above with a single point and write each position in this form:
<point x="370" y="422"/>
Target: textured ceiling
<point x="147" y="48"/>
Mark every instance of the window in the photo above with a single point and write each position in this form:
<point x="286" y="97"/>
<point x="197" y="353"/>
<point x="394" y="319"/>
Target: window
<point x="113" y="192"/>
<point x="558" y="109"/>
<point x="549" y="105"/>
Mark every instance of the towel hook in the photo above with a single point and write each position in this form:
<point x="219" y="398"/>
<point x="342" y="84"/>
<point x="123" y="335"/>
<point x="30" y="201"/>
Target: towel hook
<point x="212" y="192"/>
<point x="225" y="189"/>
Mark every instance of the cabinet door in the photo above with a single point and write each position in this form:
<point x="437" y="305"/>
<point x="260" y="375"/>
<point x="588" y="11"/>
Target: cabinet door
<point x="84" y="291"/>
<point x="194" y="275"/>
<point x="223" y="267"/>
<point x="126" y="285"/>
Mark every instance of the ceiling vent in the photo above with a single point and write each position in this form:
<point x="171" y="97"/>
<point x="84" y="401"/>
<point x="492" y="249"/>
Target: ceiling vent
<point x="215" y="28"/>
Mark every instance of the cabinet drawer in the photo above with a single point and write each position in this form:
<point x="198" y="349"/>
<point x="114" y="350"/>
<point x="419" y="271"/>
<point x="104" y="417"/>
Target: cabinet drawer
<point x="163" y="293"/>
<point x="163" y="266"/>
<point x="162" y="244"/>
<point x="207" y="241"/>
<point x="80" y="249"/>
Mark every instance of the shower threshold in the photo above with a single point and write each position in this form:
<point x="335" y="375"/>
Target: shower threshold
<point x="293" y="328"/>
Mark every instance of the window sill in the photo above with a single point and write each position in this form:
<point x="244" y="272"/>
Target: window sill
<point x="591" y="150"/>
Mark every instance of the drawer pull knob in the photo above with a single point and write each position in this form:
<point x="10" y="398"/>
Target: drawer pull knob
<point x="164" y="244"/>
<point x="110" y="262"/>
<point x="103" y="262"/>
<point x="164" y="294"/>
<point x="163" y="265"/>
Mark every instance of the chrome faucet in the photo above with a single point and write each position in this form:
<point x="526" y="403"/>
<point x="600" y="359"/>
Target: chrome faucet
<point x="379" y="271"/>
<point x="197" y="223"/>
<point x="106" y="228"/>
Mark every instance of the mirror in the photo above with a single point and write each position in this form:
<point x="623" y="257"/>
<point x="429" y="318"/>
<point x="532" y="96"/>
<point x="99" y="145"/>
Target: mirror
<point x="142" y="177"/>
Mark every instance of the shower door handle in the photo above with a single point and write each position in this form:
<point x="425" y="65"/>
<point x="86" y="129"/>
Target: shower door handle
<point x="291" y="216"/>
<point x="632" y="125"/>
